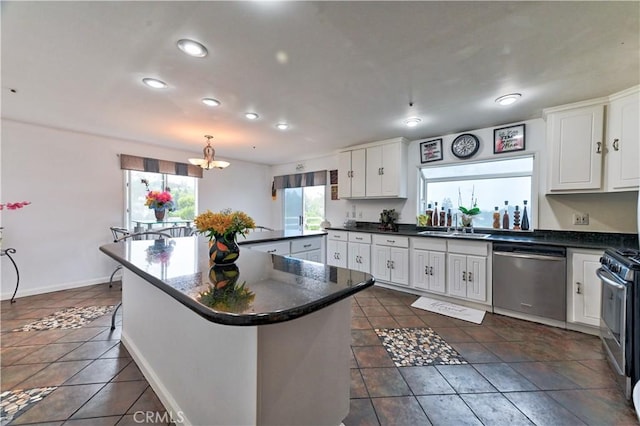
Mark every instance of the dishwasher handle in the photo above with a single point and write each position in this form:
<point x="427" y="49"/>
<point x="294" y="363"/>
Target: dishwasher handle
<point x="529" y="256"/>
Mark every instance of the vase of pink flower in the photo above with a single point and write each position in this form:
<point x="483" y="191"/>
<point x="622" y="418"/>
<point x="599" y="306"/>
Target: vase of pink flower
<point x="159" y="201"/>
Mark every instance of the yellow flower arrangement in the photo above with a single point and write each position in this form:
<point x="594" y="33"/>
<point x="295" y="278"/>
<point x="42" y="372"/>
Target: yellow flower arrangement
<point x="226" y="223"/>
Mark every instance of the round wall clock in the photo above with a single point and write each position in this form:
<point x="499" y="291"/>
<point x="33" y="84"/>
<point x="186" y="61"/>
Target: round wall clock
<point x="465" y="145"/>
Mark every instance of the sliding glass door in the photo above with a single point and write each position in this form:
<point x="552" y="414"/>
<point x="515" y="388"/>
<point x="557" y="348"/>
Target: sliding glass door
<point x="303" y="208"/>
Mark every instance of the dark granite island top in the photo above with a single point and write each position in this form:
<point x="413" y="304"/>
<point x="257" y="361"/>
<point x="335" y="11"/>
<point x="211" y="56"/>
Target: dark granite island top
<point x="275" y="288"/>
<point x="288" y="362"/>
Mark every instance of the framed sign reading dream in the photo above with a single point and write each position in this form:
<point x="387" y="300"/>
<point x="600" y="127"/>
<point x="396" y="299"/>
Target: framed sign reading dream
<point x="431" y="151"/>
<point x="507" y="139"/>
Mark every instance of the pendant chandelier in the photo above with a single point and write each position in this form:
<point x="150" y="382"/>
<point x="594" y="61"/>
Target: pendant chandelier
<point x="209" y="162"/>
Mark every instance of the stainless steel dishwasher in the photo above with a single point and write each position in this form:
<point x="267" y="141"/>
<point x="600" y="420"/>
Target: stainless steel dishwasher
<point x="531" y="279"/>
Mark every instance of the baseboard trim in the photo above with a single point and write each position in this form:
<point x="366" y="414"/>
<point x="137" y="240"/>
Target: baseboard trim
<point x="22" y="292"/>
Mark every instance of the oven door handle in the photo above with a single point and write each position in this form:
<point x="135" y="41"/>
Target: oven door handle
<point x="605" y="278"/>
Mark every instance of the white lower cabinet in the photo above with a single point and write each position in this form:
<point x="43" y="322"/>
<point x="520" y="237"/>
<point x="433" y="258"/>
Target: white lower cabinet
<point x="337" y="248"/>
<point x="428" y="264"/>
<point x="390" y="259"/>
<point x="359" y="252"/>
<point x="467" y="270"/>
<point x="307" y="249"/>
<point x="583" y="287"/>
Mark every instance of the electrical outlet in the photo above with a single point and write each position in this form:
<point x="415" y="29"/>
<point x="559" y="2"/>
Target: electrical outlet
<point x="581" y="218"/>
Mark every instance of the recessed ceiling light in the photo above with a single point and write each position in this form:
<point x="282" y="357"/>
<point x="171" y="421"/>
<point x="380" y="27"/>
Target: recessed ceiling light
<point x="508" y="99"/>
<point x="155" y="83"/>
<point x="282" y="126"/>
<point x="210" y="102"/>
<point x="412" y="122"/>
<point x="251" y="115"/>
<point x="192" y="48"/>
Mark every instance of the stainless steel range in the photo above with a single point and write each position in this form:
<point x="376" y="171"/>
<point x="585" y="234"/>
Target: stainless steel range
<point x="620" y="313"/>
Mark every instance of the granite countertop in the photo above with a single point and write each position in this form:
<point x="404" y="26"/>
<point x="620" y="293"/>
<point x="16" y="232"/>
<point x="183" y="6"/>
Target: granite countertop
<point x="259" y="289"/>
<point x="266" y="236"/>
<point x="571" y="239"/>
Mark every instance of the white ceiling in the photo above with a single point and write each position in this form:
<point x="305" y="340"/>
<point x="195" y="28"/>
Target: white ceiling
<point x="351" y="68"/>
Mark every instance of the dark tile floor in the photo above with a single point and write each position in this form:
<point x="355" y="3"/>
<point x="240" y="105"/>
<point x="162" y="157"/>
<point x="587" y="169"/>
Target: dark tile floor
<point x="516" y="372"/>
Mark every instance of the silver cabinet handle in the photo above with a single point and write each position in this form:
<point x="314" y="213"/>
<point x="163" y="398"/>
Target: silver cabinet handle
<point x="470" y="279"/>
<point x="272" y="251"/>
<point x="306" y="245"/>
<point x="578" y="288"/>
<point x="391" y="241"/>
<point x="430" y="270"/>
<point x="388" y="267"/>
<point x="426" y="270"/>
<point x="599" y="149"/>
<point x="393" y="265"/>
<point x="464" y="275"/>
<point x="615" y="144"/>
<point x="338" y="254"/>
<point x="381" y="170"/>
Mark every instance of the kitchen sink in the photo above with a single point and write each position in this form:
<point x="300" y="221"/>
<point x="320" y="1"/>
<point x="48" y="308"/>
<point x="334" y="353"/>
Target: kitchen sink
<point x="442" y="233"/>
<point x="467" y="235"/>
<point x="455" y="234"/>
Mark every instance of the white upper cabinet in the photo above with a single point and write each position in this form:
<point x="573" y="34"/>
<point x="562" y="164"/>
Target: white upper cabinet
<point x="386" y="170"/>
<point x="575" y="143"/>
<point x="582" y="158"/>
<point x="623" y="141"/>
<point x="374" y="170"/>
<point x="351" y="173"/>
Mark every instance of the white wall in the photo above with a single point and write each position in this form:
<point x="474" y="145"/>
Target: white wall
<point x="75" y="183"/>
<point x="608" y="212"/>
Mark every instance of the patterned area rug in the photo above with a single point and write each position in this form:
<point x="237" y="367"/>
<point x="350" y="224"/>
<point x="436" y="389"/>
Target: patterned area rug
<point x="411" y="347"/>
<point x="15" y="402"/>
<point x="67" y="318"/>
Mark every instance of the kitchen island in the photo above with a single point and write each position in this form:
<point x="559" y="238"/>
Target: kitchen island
<point x="265" y="341"/>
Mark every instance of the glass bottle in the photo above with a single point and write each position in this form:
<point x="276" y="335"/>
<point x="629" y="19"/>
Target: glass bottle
<point x="429" y="214"/>
<point x="443" y="217"/>
<point x="496" y="218"/>
<point x="449" y="217"/>
<point x="525" y="220"/>
<point x="435" y="214"/>
<point x="516" y="218"/>
<point x="505" y="216"/>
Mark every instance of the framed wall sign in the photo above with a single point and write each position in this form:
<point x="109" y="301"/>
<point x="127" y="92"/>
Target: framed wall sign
<point x="431" y="151"/>
<point x="507" y="139"/>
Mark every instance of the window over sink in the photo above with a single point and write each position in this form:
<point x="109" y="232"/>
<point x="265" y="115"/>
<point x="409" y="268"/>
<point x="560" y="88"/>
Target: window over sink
<point x="491" y="183"/>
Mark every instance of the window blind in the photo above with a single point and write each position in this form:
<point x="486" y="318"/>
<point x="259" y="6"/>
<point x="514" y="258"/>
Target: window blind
<point x="300" y="179"/>
<point x="145" y="164"/>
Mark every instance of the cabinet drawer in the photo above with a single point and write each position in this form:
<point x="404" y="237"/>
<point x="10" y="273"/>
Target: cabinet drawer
<point x="436" y="244"/>
<point x="338" y="235"/>
<point x="476" y="248"/>
<point x="359" y="237"/>
<point x="276" y="247"/>
<point x="305" y="244"/>
<point x="391" y="240"/>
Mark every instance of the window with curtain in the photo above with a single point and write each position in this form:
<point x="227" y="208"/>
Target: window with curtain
<point x="183" y="191"/>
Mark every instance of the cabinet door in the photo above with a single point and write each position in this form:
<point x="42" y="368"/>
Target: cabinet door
<point x="575" y="143"/>
<point x="358" y="173"/>
<point x="344" y="174"/>
<point x="420" y="276"/>
<point x="337" y="253"/>
<point x="374" y="171"/>
<point x="437" y="272"/>
<point x="399" y="265"/>
<point x="586" y="289"/>
<point x="390" y="170"/>
<point x="315" y="255"/>
<point x="623" y="143"/>
<point x="359" y="257"/>
<point x="380" y="262"/>
<point x="457" y="275"/>
<point x="477" y="278"/>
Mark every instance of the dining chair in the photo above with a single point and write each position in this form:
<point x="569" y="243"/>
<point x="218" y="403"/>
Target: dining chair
<point x="178" y="231"/>
<point x="126" y="235"/>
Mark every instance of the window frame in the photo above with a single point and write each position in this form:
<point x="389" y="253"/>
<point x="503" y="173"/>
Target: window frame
<point x="532" y="206"/>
